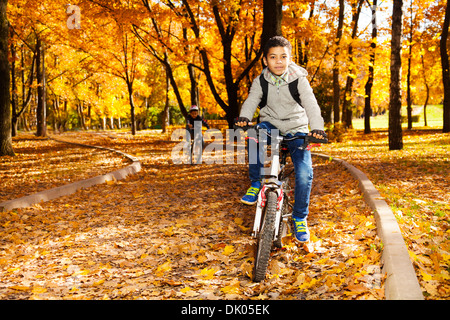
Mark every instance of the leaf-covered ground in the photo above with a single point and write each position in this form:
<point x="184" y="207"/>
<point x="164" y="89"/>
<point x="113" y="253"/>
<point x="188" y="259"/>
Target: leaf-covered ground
<point x="180" y="232"/>
<point x="43" y="164"/>
<point x="415" y="182"/>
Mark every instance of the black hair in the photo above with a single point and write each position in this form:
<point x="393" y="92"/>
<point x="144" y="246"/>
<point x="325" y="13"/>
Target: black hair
<point x="277" y="41"/>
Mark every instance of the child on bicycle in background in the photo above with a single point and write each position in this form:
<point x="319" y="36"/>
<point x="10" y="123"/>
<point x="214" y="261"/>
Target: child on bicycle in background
<point x="284" y="113"/>
<point x="191" y="119"/>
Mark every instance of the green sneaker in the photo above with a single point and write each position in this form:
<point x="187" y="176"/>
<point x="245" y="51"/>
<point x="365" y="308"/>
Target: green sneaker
<point x="251" y="197"/>
<point x="301" y="230"/>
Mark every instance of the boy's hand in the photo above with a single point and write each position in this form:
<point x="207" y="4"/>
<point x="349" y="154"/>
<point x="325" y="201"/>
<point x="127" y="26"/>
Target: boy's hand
<point x="241" y="121"/>
<point x="319" y="134"/>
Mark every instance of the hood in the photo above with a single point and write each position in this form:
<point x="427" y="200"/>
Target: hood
<point x="294" y="72"/>
<point x="297" y="70"/>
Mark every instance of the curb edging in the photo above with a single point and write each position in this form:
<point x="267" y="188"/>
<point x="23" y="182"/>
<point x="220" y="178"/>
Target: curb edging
<point x="401" y="282"/>
<point x="71" y="188"/>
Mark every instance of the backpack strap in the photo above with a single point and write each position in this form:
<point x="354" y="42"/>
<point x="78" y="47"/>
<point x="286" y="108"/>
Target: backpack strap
<point x="265" y="89"/>
<point x="293" y="89"/>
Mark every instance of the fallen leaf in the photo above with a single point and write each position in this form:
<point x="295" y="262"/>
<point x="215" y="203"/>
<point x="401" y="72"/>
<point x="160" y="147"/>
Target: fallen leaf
<point x="38" y="290"/>
<point x="228" y="250"/>
<point x="20" y="288"/>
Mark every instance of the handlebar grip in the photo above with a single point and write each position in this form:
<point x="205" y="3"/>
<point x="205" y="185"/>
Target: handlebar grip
<point x="316" y="140"/>
<point x="245" y="128"/>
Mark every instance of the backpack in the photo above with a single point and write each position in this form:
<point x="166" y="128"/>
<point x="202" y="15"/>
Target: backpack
<point x="293" y="89"/>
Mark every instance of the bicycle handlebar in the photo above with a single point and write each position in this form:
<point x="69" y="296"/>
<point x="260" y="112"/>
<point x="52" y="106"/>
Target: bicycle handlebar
<point x="245" y="128"/>
<point x="308" y="139"/>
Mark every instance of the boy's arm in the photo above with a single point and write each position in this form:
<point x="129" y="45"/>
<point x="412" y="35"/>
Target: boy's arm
<point x="188" y="122"/>
<point x="205" y="123"/>
<point x="310" y="104"/>
<point x="251" y="103"/>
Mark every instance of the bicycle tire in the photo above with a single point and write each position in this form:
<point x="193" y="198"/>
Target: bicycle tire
<point x="188" y="154"/>
<point x="196" y="152"/>
<point x="264" y="240"/>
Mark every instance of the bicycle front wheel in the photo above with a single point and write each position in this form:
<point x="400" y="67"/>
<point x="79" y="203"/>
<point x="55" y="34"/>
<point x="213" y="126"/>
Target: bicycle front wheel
<point x="196" y="152"/>
<point x="265" y="238"/>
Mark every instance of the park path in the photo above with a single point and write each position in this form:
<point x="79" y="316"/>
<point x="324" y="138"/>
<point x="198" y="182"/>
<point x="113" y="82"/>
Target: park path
<point x="180" y="232"/>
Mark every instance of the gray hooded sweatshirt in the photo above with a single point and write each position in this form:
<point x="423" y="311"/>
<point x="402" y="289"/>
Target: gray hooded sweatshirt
<point x="281" y="110"/>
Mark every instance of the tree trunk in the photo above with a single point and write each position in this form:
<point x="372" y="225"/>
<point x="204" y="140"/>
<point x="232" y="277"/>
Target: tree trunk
<point x="166" y="112"/>
<point x="408" y="77"/>
<point x="41" y="116"/>
<point x="273" y="15"/>
<point x="395" y="104"/>
<point x="26" y="94"/>
<point x="445" y="69"/>
<point x="191" y="71"/>
<point x="132" y="109"/>
<point x="369" y="84"/>
<point x="194" y="86"/>
<point x="427" y="96"/>
<point x="336" y="86"/>
<point x="6" y="148"/>
<point x="80" y="112"/>
<point x="14" y="98"/>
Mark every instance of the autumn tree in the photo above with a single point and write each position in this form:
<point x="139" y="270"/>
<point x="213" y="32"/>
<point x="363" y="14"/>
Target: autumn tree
<point x="128" y="74"/>
<point x="395" y="104"/>
<point x="5" y="110"/>
<point x="210" y="52"/>
<point x="295" y="24"/>
<point x="226" y="18"/>
<point x="223" y="19"/>
<point x="369" y="83"/>
<point x="346" y="108"/>
<point x="20" y="83"/>
<point x="272" y="18"/>
<point x="157" y="40"/>
<point x="445" y="68"/>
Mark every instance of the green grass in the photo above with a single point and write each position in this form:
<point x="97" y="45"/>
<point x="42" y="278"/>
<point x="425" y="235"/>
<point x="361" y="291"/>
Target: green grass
<point x="434" y="118"/>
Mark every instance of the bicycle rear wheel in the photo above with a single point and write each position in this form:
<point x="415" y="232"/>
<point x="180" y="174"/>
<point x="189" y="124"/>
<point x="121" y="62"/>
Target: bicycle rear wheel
<point x="264" y="240"/>
<point x="284" y="227"/>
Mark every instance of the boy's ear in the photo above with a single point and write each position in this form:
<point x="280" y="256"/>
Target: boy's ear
<point x="265" y="61"/>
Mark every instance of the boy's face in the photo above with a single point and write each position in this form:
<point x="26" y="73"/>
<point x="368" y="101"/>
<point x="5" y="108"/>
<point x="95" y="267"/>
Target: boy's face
<point x="194" y="114"/>
<point x="277" y="60"/>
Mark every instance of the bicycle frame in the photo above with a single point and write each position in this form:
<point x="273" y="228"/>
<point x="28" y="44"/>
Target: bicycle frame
<point x="195" y="140"/>
<point x="271" y="182"/>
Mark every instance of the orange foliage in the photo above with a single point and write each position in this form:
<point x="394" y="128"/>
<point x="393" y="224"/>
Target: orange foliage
<point x="85" y="63"/>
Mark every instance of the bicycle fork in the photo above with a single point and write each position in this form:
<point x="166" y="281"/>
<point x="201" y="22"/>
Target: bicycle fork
<point x="261" y="204"/>
<point x="271" y="184"/>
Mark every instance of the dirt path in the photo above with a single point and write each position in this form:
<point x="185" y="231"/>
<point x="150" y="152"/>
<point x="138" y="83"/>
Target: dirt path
<point x="180" y="232"/>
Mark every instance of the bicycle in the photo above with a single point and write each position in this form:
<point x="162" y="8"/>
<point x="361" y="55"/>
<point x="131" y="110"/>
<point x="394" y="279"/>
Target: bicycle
<point x="273" y="216"/>
<point x="195" y="146"/>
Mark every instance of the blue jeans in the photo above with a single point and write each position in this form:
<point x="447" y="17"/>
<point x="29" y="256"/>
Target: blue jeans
<point x="302" y="166"/>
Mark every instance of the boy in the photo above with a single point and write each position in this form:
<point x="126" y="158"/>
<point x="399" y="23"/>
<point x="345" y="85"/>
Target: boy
<point x="283" y="112"/>
<point x="190" y="121"/>
<point x="194" y="116"/>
